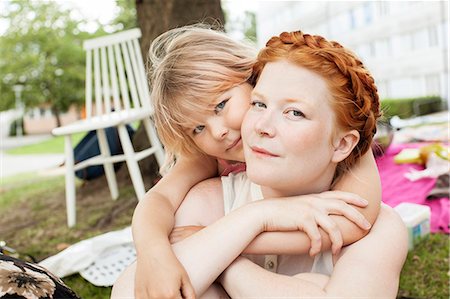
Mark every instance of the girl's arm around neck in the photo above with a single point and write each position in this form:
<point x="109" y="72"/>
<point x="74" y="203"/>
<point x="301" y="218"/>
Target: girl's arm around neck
<point x="158" y="272"/>
<point x="154" y="214"/>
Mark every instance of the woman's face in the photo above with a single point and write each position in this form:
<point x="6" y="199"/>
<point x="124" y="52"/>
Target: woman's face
<point x="287" y="131"/>
<point x="218" y="133"/>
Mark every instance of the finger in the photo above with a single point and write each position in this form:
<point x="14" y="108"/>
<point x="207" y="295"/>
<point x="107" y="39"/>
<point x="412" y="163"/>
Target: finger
<point x="350" y="198"/>
<point x="331" y="228"/>
<point x="187" y="290"/>
<point x="312" y="231"/>
<point x="352" y="214"/>
<point x="176" y="237"/>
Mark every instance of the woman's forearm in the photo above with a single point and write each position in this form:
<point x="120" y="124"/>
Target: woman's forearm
<point x="364" y="180"/>
<point x="244" y="279"/>
<point x="207" y="253"/>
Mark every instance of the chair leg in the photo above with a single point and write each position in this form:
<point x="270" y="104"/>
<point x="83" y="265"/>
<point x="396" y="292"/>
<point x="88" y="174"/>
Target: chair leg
<point x="70" y="182"/>
<point x="132" y="164"/>
<point x="108" y="167"/>
<point x="154" y="140"/>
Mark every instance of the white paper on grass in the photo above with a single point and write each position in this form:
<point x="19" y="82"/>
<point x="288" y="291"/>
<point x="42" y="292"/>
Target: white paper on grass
<point x="91" y="256"/>
<point x="107" y="268"/>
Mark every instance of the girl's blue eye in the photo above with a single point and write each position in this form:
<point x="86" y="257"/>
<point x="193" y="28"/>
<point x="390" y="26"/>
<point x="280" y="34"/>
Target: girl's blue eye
<point x="198" y="129"/>
<point x="257" y="104"/>
<point x="219" y="107"/>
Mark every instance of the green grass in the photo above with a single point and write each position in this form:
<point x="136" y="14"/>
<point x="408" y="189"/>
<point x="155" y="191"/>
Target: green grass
<point x="53" y="145"/>
<point x="34" y="218"/>
<point x="426" y="271"/>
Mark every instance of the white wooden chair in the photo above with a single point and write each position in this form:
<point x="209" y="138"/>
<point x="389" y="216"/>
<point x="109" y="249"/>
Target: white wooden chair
<point x="116" y="94"/>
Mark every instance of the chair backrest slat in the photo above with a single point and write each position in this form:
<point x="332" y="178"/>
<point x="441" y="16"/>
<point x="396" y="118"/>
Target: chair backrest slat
<point x="115" y="87"/>
<point x="105" y="81"/>
<point x="97" y="83"/>
<point x="145" y="99"/>
<point x="88" y="83"/>
<point x="136" y="72"/>
<point x="122" y="80"/>
<point x="130" y="75"/>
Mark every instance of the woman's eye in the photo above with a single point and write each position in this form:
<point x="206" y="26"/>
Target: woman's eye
<point x="257" y="104"/>
<point x="198" y="129"/>
<point x="219" y="107"/>
<point x="295" y="113"/>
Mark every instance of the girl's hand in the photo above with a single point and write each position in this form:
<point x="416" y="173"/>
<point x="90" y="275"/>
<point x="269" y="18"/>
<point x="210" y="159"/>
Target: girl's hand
<point x="182" y="232"/>
<point x="161" y="275"/>
<point x="309" y="212"/>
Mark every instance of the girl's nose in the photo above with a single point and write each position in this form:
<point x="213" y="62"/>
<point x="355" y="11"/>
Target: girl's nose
<point x="218" y="130"/>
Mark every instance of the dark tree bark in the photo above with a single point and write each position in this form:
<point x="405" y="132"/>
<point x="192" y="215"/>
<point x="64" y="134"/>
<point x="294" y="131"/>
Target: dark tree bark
<point x="158" y="16"/>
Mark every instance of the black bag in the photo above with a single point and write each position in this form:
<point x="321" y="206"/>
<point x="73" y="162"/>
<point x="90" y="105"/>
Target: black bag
<point x="88" y="147"/>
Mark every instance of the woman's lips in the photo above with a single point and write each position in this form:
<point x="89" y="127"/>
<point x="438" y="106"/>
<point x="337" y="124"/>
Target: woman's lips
<point x="262" y="152"/>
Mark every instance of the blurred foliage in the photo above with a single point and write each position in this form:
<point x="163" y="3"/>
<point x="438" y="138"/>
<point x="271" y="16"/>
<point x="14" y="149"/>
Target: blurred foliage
<point x="246" y="24"/>
<point x="408" y="107"/>
<point x="250" y="26"/>
<point x="126" y="15"/>
<point x="42" y="50"/>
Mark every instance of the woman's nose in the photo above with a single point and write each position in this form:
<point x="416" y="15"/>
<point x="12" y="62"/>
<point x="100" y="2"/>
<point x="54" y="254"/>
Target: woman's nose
<point x="264" y="125"/>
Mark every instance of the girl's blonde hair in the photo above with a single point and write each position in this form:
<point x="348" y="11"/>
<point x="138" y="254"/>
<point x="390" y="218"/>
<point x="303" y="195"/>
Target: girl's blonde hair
<point x="189" y="68"/>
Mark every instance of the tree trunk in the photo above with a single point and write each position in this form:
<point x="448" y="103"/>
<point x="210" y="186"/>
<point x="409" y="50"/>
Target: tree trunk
<point x="158" y="16"/>
<point x="57" y="116"/>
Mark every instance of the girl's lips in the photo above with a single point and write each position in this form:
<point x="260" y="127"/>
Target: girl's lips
<point x="263" y="152"/>
<point x="235" y="143"/>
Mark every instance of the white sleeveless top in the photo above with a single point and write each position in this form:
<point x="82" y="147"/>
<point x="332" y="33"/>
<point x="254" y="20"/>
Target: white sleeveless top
<point x="237" y="191"/>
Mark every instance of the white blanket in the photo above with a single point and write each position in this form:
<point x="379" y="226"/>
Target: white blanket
<point x="100" y="260"/>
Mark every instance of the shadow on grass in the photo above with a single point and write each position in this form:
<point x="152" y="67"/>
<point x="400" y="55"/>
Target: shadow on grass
<point x="33" y="218"/>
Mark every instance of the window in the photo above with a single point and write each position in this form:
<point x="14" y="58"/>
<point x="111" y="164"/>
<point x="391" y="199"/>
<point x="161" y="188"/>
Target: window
<point x="383" y="89"/>
<point x="363" y="51"/>
<point x="352" y="19"/>
<point x="368" y="12"/>
<point x="432" y="36"/>
<point x="402" y="88"/>
<point x="432" y="84"/>
<point x="383" y="48"/>
<point x="420" y="39"/>
<point x="372" y="49"/>
<point x="443" y="34"/>
<point x="383" y="8"/>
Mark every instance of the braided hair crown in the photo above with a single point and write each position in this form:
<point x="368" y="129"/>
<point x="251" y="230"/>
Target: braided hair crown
<point x="355" y="98"/>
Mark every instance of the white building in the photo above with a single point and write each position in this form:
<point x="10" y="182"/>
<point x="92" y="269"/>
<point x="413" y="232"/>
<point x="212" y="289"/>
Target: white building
<point x="403" y="43"/>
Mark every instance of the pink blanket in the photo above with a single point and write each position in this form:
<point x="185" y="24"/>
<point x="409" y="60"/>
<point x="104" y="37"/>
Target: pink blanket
<point x="397" y="188"/>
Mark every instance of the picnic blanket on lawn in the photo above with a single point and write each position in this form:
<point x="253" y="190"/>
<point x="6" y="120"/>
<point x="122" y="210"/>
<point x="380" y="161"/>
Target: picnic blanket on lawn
<point x="397" y="188"/>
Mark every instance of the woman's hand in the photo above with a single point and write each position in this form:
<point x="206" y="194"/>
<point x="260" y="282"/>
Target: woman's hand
<point x="161" y="275"/>
<point x="309" y="212"/>
<point x="182" y="232"/>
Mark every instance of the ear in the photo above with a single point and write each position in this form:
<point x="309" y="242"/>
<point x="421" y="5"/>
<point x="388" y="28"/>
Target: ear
<point x="344" y="144"/>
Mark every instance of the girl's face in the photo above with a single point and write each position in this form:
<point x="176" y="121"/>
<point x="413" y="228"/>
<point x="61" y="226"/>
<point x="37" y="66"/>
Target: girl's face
<point x="218" y="133"/>
<point x="287" y="132"/>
